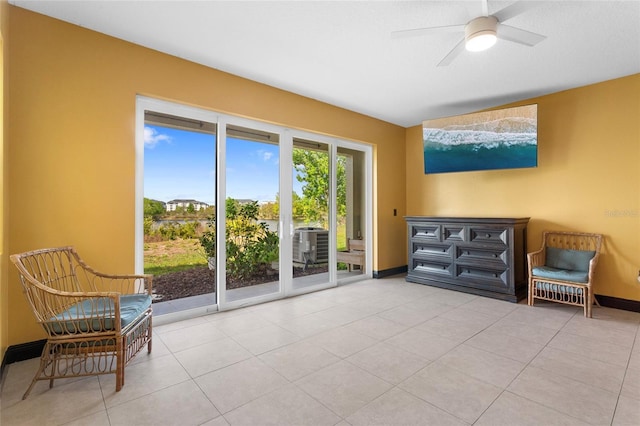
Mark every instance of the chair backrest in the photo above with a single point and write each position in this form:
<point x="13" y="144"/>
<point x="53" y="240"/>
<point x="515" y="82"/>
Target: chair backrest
<point x="44" y="275"/>
<point x="355" y="245"/>
<point x="572" y="241"/>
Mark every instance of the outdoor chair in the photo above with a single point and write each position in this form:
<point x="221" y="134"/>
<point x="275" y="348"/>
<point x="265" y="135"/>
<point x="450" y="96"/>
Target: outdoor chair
<point x="354" y="255"/>
<point x="562" y="270"/>
<point x="95" y="323"/>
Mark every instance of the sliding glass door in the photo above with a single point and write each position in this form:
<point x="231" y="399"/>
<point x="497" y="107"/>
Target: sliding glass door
<point x="351" y="213"/>
<point x="311" y="214"/>
<point x="264" y="211"/>
<point x="175" y="200"/>
<point x="252" y="216"/>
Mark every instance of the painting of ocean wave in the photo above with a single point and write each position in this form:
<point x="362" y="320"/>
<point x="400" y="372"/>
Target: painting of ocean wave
<point x="500" y="139"/>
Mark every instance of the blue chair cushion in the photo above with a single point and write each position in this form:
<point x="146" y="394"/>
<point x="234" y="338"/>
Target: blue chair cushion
<point x="572" y="260"/>
<point x="557" y="288"/>
<point x="560" y="274"/>
<point x="94" y="314"/>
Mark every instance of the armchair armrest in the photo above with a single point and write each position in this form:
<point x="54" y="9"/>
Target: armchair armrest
<point x="592" y="267"/>
<point x="120" y="283"/>
<point x="124" y="284"/>
<point x="536" y="258"/>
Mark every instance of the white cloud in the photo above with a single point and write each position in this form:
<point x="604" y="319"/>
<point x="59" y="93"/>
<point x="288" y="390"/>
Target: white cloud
<point x="265" y="155"/>
<point x="152" y="137"/>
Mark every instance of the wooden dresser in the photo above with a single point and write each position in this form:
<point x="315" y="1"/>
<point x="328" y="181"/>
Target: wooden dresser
<point x="484" y="256"/>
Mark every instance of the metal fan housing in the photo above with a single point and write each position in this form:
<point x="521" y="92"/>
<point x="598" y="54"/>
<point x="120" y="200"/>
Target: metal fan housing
<point x="481" y="33"/>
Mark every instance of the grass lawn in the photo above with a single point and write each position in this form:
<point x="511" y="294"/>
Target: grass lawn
<point x="172" y="256"/>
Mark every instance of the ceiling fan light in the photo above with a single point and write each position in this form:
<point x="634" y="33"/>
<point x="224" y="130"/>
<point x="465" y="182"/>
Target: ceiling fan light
<point x="480" y="41"/>
<point x="480" y="33"/>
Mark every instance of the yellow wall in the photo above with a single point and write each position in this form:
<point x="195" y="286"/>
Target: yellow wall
<point x="4" y="256"/>
<point x="587" y="179"/>
<point x="71" y="103"/>
<point x="72" y="107"/>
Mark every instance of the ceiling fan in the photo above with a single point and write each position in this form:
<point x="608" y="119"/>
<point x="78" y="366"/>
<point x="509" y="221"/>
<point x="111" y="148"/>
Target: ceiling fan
<point x="481" y="33"/>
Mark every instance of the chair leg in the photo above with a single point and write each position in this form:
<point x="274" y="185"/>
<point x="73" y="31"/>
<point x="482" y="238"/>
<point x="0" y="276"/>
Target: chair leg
<point x="150" y="331"/>
<point x="33" y="383"/>
<point x="530" y="294"/>
<point x="41" y="368"/>
<point x="54" y="368"/>
<point x="120" y="348"/>
<point x="588" y="302"/>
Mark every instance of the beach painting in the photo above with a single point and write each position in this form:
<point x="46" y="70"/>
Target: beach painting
<point x="501" y="139"/>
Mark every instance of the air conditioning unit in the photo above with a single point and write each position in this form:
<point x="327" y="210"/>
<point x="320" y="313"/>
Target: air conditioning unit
<point x="310" y="245"/>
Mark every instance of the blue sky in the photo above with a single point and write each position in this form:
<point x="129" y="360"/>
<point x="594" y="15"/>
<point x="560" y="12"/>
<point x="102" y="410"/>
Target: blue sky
<point x="181" y="164"/>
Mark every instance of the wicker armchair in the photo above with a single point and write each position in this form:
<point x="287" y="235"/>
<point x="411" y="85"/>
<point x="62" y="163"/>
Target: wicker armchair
<point x="562" y="270"/>
<point x="95" y="323"/>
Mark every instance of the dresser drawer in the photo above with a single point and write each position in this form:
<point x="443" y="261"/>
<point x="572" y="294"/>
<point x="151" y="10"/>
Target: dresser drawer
<point x="493" y="279"/>
<point x="453" y="233"/>
<point x="425" y="248"/>
<point x="479" y="234"/>
<point x="431" y="267"/>
<point x="425" y="231"/>
<point x="475" y="254"/>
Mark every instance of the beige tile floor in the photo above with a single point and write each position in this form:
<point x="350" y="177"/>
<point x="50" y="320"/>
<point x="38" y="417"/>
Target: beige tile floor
<point x="374" y="352"/>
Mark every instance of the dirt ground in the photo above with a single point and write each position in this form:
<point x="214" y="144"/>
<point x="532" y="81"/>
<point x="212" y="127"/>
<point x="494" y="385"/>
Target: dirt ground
<point x="201" y="280"/>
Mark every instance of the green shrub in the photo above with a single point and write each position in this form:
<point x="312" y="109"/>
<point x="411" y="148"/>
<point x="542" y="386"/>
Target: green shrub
<point x="148" y="225"/>
<point x="169" y="231"/>
<point x="188" y="230"/>
<point x="249" y="243"/>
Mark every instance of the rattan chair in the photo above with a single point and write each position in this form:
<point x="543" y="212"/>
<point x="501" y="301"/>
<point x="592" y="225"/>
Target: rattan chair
<point x="562" y="270"/>
<point x="95" y="323"/>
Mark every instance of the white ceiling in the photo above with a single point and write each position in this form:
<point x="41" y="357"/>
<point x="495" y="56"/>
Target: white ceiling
<point x="342" y="52"/>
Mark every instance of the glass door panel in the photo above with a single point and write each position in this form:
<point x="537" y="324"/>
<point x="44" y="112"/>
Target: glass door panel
<point x="311" y="214"/>
<point x="351" y="213"/>
<point x="179" y="197"/>
<point x="252" y="243"/>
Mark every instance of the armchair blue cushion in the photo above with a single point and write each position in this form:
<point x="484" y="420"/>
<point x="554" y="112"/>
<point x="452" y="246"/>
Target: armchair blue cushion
<point x="93" y="315"/>
<point x="560" y="274"/>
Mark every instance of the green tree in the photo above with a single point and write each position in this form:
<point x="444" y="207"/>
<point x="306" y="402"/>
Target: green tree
<point x="270" y="210"/>
<point x="298" y="207"/>
<point x="153" y="208"/>
<point x="191" y="208"/>
<point x="312" y="169"/>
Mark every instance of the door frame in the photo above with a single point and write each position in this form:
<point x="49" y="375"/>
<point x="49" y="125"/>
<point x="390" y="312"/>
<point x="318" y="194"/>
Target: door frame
<point x="286" y="223"/>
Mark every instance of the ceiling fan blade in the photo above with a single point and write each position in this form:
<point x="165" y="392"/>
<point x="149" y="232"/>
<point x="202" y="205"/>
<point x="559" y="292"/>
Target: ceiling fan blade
<point x="518" y="35"/>
<point x="513" y="10"/>
<point x="452" y="54"/>
<point x="429" y="30"/>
